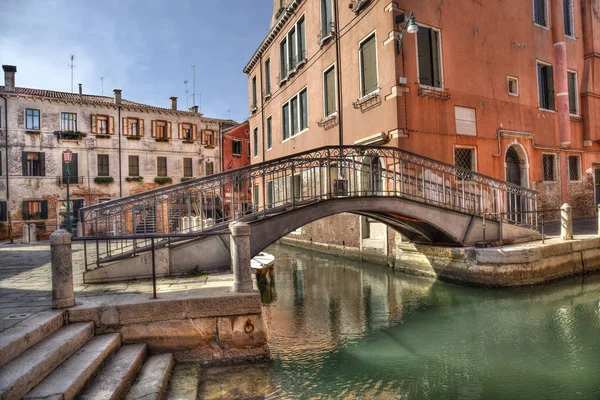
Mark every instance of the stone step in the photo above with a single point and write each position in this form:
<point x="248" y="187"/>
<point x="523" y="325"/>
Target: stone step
<point x="116" y="377"/>
<point x="26" y="371"/>
<point x="70" y="378"/>
<point x="184" y="382"/>
<point x="153" y="379"/>
<point x="23" y="336"/>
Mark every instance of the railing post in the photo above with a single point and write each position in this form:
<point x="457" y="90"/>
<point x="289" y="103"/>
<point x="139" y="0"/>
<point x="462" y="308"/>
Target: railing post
<point x="63" y="295"/>
<point x="543" y="236"/>
<point x="328" y="174"/>
<point x="566" y="222"/>
<point x="239" y="246"/>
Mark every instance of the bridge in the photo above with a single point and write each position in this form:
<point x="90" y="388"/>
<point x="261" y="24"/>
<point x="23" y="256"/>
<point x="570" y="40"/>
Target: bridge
<point x="183" y="227"/>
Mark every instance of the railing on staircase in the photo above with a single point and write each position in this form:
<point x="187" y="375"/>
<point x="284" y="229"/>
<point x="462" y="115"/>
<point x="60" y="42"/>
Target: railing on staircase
<point x="210" y="203"/>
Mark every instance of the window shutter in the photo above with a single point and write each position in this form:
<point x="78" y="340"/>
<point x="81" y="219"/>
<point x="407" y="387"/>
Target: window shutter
<point x="125" y="131"/>
<point x="3" y="216"/>
<point x="180" y="128"/>
<point x="572" y="94"/>
<point x="369" y="66"/>
<point x="169" y="129"/>
<point x="435" y="58"/>
<point x="24" y="163"/>
<point x="111" y="125"/>
<point x="74" y="170"/>
<point x="44" y="213"/>
<point x="141" y="127"/>
<point x="43" y="164"/>
<point x="25" y="210"/>
<point x="550" y="86"/>
<point x="153" y="133"/>
<point x="94" y="124"/>
<point x="194" y="132"/>
<point x="423" y="44"/>
<point x="64" y="172"/>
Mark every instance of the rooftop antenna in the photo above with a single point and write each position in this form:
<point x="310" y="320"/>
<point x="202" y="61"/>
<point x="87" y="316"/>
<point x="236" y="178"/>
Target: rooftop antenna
<point x="200" y="102"/>
<point x="187" y="101"/>
<point x="72" y="66"/>
<point x="194" y="91"/>
<point x="229" y="114"/>
<point x="102" y="80"/>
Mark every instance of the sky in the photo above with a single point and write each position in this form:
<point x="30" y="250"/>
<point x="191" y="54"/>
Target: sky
<point x="144" y="47"/>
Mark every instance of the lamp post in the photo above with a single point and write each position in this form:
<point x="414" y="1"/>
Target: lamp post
<point x="409" y="26"/>
<point x="67" y="156"/>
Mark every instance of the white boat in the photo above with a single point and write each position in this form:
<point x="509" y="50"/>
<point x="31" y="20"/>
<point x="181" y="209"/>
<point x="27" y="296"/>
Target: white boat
<point x="262" y="265"/>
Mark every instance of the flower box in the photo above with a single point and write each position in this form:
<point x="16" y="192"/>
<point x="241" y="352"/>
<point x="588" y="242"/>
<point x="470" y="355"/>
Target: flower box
<point x="186" y="179"/>
<point x="33" y="132"/>
<point x="188" y="141"/>
<point x="134" y="137"/>
<point x="102" y="136"/>
<point x="160" y="180"/>
<point x="134" y="179"/>
<point x="69" y="135"/>
<point x="162" y="139"/>
<point x="103" y="180"/>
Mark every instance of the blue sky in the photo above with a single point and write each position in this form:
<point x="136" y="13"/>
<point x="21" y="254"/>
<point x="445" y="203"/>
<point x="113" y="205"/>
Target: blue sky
<point x="144" y="47"/>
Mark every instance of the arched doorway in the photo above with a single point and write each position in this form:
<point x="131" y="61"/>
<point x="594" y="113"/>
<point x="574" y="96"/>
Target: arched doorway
<point x="513" y="166"/>
<point x="517" y="171"/>
<point x="372" y="180"/>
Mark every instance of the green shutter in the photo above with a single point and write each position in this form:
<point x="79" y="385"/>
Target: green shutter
<point x="424" y="47"/>
<point x="42" y="164"/>
<point x="24" y="162"/>
<point x="369" y="66"/>
<point x="572" y="93"/>
<point x="44" y="213"/>
<point x="550" y="86"/>
<point x="435" y="58"/>
<point x="330" y="92"/>
<point x="304" y="109"/>
<point x="25" y="210"/>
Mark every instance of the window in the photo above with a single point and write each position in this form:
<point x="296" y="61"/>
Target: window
<point x="102" y="124"/>
<point x="254" y="93"/>
<point x="464" y="158"/>
<point x="513" y="86"/>
<point x="569" y="17"/>
<point x="268" y="77"/>
<point x="466" y="121"/>
<point x="540" y="12"/>
<point x="255" y="142"/>
<point x="270" y="195"/>
<point x="255" y="197"/>
<point x="368" y="66"/>
<point x="545" y="86"/>
<point x="0" y="163"/>
<point x="68" y="121"/>
<point x="103" y="169"/>
<point x="549" y="165"/>
<point x="293" y="52"/>
<point x="574" y="168"/>
<point x="208" y="137"/>
<point x="249" y="152"/>
<point x="329" y="91"/>
<point x="301" y="39"/>
<point x="283" y="57"/>
<point x="430" y="68"/>
<point x="269" y="133"/>
<point x="187" y="132"/>
<point x="3" y="211"/>
<point x="132" y="127"/>
<point x="236" y="147"/>
<point x="188" y="169"/>
<point x="32" y="119"/>
<point x="210" y="168"/>
<point x="294" y="114"/>
<point x="161" y="129"/>
<point x="134" y="166"/>
<point x="73" y="170"/>
<point x="161" y="166"/>
<point x="326" y="18"/>
<point x="33" y="164"/>
<point x="573" y="98"/>
<point x="37" y="209"/>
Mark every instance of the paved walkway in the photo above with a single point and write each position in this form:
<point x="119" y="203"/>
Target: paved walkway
<point x="26" y="283"/>
<point x="582" y="228"/>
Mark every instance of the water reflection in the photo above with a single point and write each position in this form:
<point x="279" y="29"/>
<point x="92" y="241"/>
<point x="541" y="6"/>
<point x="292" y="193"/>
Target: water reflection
<point x="339" y="329"/>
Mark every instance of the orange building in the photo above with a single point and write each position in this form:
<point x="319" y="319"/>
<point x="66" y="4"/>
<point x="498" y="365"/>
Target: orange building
<point x="508" y="89"/>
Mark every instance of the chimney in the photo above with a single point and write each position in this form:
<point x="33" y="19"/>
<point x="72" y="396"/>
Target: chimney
<point x="117" y="96"/>
<point x="9" y="77"/>
<point x="173" y="103"/>
<point x="194" y="109"/>
<point x="80" y="89"/>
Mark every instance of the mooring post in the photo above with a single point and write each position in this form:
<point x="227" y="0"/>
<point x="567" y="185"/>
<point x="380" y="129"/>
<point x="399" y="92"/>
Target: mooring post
<point x="32" y="234"/>
<point x="62" y="269"/>
<point x="239" y="246"/>
<point x="25" y="234"/>
<point x="566" y="222"/>
<point x="80" y="229"/>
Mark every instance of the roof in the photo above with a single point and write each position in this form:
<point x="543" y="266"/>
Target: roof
<point x="104" y="100"/>
<point x="231" y="128"/>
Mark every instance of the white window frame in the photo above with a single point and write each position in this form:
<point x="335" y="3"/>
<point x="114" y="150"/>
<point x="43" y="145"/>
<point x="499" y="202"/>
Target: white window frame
<point x="576" y="93"/>
<point x="556" y="174"/>
<point x="268" y="73"/>
<point x="286" y="37"/>
<point x="510" y="78"/>
<point x="572" y="18"/>
<point x="474" y="148"/>
<point x="579" y="167"/>
<point x="547" y="26"/>
<point x="241" y="149"/>
<point x="288" y="102"/>
<point x="266" y="125"/>
<point x="255" y="151"/>
<point x="335" y="83"/>
<point x="326" y="38"/>
<point x="439" y="31"/>
<point x="537" y="82"/>
<point x="360" y="88"/>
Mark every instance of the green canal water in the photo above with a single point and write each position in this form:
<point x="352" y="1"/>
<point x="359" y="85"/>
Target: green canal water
<point x="344" y="329"/>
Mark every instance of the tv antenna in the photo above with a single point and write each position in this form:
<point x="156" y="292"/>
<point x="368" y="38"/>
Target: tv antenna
<point x="102" y="82"/>
<point x="229" y="114"/>
<point x="72" y="67"/>
<point x="187" y="105"/>
<point x="194" y="91"/>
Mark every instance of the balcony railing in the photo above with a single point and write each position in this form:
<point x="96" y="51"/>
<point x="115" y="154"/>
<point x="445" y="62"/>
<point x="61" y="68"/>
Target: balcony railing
<point x="73" y="180"/>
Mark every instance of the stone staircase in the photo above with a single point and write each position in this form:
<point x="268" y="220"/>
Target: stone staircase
<point x="43" y="358"/>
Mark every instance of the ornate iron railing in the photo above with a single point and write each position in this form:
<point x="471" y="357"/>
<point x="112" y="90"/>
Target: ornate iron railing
<point x="210" y="203"/>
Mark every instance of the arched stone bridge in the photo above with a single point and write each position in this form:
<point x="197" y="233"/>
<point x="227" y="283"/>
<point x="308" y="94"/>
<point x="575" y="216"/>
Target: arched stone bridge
<point x="426" y="200"/>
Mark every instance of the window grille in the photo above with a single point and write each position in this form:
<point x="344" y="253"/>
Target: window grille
<point x="549" y="161"/>
<point x="464" y="158"/>
<point x="574" y="168"/>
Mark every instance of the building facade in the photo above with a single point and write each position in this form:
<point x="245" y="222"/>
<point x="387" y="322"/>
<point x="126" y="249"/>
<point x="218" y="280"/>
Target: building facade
<point x="119" y="148"/>
<point x="235" y="145"/>
<point x="507" y="89"/>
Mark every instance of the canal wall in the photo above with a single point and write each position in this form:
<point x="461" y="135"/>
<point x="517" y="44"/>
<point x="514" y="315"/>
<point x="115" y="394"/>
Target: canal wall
<point x="510" y="266"/>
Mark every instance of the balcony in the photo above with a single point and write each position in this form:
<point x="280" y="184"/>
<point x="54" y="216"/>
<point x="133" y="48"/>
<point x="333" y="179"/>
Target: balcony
<point x="73" y="180"/>
<point x="69" y="135"/>
<point x="326" y="34"/>
<point x="359" y="5"/>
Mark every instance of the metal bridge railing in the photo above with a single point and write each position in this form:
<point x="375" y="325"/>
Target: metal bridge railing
<point x="210" y="203"/>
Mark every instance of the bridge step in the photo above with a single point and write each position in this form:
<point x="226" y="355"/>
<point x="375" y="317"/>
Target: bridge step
<point x="153" y="379"/>
<point x="184" y="382"/>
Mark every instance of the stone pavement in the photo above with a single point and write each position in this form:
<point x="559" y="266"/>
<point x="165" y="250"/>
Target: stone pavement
<point x="26" y="282"/>
<point x="582" y="228"/>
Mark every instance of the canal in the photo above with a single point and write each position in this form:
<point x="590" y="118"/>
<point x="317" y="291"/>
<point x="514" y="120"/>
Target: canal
<point x="344" y="329"/>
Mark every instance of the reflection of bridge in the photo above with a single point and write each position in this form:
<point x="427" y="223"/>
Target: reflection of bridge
<point x="424" y="199"/>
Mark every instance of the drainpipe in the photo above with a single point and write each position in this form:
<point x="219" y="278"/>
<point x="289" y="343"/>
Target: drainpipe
<point x="10" y="234"/>
<point x="562" y="89"/>
<point x="262" y="114"/>
<point x="118" y="104"/>
<point x="338" y="69"/>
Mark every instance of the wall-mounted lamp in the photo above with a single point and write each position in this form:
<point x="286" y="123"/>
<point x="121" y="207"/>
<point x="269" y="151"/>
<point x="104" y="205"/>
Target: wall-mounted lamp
<point x="409" y="25"/>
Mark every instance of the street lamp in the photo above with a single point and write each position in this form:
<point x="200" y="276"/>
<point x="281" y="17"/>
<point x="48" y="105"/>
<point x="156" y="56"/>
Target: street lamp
<point x="410" y="26"/>
<point x="67" y="157"/>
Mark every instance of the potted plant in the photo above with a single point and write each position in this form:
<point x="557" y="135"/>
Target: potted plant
<point x="162" y="180"/>
<point x="162" y="139"/>
<point x="134" y="179"/>
<point x="103" y="180"/>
